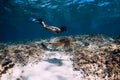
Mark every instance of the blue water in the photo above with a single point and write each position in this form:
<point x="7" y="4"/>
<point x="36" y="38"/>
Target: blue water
<point x="79" y="16"/>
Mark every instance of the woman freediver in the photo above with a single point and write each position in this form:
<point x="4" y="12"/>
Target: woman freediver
<point x="51" y="28"/>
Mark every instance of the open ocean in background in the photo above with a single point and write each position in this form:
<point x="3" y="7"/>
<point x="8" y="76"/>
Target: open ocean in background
<point x="79" y="16"/>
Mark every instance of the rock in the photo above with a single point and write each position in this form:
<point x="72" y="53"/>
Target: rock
<point x="103" y="63"/>
<point x="5" y="65"/>
<point x="117" y="40"/>
<point x="95" y="57"/>
<point x="2" y="46"/>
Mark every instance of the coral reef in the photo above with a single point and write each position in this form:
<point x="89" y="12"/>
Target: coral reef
<point x="103" y="63"/>
<point x="81" y="57"/>
<point x="99" y="59"/>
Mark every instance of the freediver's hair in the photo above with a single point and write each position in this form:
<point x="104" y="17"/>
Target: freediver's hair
<point x="63" y="28"/>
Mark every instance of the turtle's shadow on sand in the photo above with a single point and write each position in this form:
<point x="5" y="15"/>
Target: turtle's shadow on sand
<point x="55" y="61"/>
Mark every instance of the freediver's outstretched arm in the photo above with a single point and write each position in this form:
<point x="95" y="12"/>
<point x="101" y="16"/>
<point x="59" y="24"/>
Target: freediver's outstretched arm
<point x="41" y="22"/>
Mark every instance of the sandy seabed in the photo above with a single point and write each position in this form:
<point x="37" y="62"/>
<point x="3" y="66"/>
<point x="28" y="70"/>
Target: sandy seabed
<point x="80" y="57"/>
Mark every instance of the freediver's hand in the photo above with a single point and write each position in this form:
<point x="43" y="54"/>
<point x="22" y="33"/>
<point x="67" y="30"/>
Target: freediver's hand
<point x="34" y="20"/>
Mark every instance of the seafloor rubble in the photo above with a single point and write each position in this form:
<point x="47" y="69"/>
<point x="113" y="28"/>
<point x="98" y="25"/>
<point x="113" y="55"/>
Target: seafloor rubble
<point x="101" y="62"/>
<point x="81" y="57"/>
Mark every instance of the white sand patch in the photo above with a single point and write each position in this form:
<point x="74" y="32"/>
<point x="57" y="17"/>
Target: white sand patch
<point x="54" y="66"/>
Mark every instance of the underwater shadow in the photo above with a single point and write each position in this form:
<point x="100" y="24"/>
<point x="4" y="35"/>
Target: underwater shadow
<point x="55" y="61"/>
